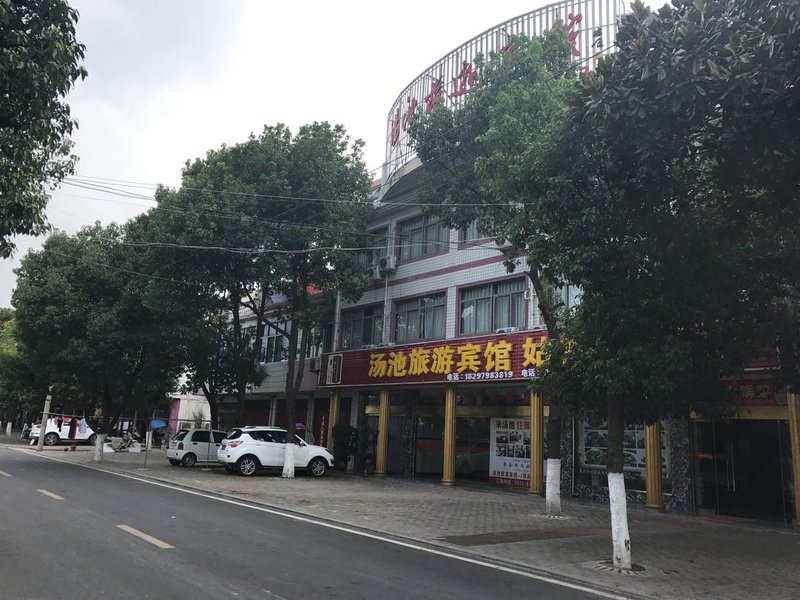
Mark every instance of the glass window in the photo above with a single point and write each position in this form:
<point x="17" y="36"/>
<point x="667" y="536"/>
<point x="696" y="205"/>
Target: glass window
<point x="378" y="242"/>
<point x="180" y="435"/>
<point x="201" y="436"/>
<point x="362" y="326"/>
<point x="471" y="233"/>
<point x="219" y="436"/>
<point x="274" y="345"/>
<point x="486" y="308"/>
<point x="422" y="235"/>
<point x="277" y="437"/>
<point x="419" y="318"/>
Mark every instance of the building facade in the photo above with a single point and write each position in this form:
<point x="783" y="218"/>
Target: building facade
<point x="435" y="360"/>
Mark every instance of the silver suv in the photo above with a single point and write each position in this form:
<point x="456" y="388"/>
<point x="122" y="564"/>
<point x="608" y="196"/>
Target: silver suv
<point x="248" y="449"/>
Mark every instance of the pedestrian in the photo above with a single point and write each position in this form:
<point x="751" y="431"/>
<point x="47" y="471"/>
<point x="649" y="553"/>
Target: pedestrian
<point x="73" y="427"/>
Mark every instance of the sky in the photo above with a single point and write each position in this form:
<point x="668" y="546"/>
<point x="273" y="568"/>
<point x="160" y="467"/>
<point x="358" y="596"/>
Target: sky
<point x="170" y="79"/>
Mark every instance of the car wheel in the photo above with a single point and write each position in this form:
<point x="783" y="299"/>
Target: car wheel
<point x="317" y="466"/>
<point x="188" y="460"/>
<point x="174" y="462"/>
<point x="230" y="468"/>
<point x="91" y="439"/>
<point x="246" y="466"/>
<point x="51" y="439"/>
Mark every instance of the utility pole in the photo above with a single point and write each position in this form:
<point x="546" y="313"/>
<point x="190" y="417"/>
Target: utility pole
<point x="43" y="428"/>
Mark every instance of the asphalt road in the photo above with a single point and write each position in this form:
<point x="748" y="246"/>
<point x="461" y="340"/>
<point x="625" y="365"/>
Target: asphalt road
<point x="71" y="532"/>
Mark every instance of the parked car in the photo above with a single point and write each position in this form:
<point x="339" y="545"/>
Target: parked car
<point x="248" y="449"/>
<point x="191" y="446"/>
<point x="55" y="433"/>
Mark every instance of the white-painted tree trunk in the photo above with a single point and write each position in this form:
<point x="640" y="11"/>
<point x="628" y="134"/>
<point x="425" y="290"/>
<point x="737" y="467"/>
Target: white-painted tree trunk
<point x="98" y="447"/>
<point x="288" y="462"/>
<point x="620" y="538"/>
<point x="552" y="496"/>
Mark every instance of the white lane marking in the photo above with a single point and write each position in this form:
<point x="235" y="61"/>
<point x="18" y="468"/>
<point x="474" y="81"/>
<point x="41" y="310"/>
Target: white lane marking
<point x="147" y="538"/>
<point x="4" y="474"/>
<point x="50" y="494"/>
<point x="373" y="536"/>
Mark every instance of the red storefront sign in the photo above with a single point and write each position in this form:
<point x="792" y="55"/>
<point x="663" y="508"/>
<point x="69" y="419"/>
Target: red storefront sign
<point x="501" y="357"/>
<point x="754" y="393"/>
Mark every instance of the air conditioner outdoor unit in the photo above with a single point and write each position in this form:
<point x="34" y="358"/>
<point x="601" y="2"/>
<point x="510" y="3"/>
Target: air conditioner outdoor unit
<point x="315" y="364"/>
<point x="506" y="329"/>
<point x="503" y="244"/>
<point x="387" y="264"/>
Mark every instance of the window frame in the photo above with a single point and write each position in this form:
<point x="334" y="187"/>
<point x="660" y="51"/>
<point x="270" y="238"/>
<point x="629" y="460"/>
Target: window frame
<point x="492" y="299"/>
<point x="405" y="248"/>
<point x="375" y="317"/>
<point x="421" y="311"/>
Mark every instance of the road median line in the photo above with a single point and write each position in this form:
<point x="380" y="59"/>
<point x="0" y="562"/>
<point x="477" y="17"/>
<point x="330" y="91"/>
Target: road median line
<point x="50" y="494"/>
<point x="147" y="538"/>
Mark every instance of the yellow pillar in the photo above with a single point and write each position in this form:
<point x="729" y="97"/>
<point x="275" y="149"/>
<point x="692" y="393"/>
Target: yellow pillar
<point x="652" y="459"/>
<point x="794" y="437"/>
<point x="537" y="444"/>
<point x="333" y="416"/>
<point x="382" y="450"/>
<point x="449" y="447"/>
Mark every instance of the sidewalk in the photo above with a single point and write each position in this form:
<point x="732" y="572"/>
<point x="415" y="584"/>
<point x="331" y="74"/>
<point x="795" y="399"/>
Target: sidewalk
<point x="683" y="557"/>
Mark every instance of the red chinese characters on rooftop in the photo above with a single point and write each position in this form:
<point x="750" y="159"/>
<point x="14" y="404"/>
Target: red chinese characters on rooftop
<point x="466" y="81"/>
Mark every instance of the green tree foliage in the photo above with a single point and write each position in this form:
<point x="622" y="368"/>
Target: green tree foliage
<point x="499" y="155"/>
<point x="85" y="326"/>
<point x="40" y="61"/>
<point x="681" y="224"/>
<point x="269" y="218"/>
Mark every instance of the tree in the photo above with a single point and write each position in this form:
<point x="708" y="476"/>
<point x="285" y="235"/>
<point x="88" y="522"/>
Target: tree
<point x="486" y="163"/>
<point x="84" y="326"/>
<point x="40" y="61"/>
<point x="271" y="217"/>
<point x="680" y="220"/>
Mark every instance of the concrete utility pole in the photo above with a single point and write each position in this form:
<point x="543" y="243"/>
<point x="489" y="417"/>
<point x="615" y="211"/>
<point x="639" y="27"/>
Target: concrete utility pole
<point x="43" y="428"/>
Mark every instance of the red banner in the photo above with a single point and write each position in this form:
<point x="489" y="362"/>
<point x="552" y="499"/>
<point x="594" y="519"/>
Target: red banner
<point x="502" y="357"/>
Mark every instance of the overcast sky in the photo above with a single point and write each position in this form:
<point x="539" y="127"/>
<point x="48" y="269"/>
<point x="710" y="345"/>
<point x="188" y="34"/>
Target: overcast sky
<point x="170" y="79"/>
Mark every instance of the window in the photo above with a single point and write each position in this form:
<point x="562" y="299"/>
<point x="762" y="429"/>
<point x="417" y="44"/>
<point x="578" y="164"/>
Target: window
<point x="276" y="437"/>
<point x="471" y="234"/>
<point x="379" y="241"/>
<point x="201" y="436"/>
<point x="421" y="236"/>
<point x="273" y="345"/>
<point x="420" y="318"/>
<point x="486" y="308"/>
<point x="362" y="326"/>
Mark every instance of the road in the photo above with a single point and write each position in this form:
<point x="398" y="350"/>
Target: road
<point x="71" y="532"/>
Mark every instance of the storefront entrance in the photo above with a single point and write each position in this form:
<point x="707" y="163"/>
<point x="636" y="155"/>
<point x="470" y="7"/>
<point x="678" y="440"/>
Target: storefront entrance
<point x="743" y="468"/>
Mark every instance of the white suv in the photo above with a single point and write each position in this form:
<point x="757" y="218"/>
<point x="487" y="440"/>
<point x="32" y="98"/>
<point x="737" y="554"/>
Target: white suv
<point x="248" y="449"/>
<point x="54" y="433"/>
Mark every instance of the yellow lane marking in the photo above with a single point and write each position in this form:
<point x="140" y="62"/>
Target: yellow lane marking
<point x="147" y="538"/>
<point x="4" y="474"/>
<point x="50" y="494"/>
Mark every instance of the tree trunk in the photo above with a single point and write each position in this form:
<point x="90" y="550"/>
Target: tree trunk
<point x="620" y="538"/>
<point x="553" y="432"/>
<point x="237" y="352"/>
<point x="98" y="447"/>
<point x="553" y="480"/>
